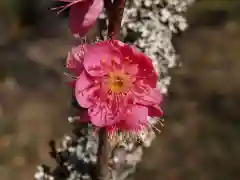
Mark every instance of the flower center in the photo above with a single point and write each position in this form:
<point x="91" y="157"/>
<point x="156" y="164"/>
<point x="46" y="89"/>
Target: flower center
<point x="118" y="82"/>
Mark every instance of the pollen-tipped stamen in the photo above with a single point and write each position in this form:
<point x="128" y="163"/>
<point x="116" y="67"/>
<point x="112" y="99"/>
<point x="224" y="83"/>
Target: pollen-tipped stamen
<point x="64" y="7"/>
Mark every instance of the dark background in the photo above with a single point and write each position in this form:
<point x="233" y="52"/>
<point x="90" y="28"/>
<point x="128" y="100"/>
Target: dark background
<point x="200" y="140"/>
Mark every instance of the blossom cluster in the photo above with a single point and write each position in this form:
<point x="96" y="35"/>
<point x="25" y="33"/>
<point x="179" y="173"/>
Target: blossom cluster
<point x="118" y="86"/>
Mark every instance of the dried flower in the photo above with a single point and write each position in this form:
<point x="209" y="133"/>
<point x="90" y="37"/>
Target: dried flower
<point x="118" y="86"/>
<point x="82" y="15"/>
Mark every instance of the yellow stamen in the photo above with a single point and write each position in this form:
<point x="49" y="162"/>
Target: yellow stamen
<point x="118" y="82"/>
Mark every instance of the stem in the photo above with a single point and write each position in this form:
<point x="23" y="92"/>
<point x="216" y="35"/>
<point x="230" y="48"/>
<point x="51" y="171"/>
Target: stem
<point x="102" y="155"/>
<point x="114" y="13"/>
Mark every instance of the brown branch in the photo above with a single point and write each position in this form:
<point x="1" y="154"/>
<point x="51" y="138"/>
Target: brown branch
<point x="107" y="4"/>
<point x="102" y="156"/>
<point x="114" y="13"/>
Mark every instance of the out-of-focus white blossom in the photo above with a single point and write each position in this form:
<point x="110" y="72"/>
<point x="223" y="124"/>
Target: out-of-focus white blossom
<point x="156" y="21"/>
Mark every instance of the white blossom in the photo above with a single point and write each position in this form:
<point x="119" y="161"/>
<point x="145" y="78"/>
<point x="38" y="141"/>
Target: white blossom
<point x="156" y="21"/>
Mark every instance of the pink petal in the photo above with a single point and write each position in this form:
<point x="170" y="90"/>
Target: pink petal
<point x="155" y="111"/>
<point x="75" y="60"/>
<point x="84" y="90"/>
<point x="83" y="15"/>
<point x="104" y="112"/>
<point x="145" y="68"/>
<point x="131" y="69"/>
<point x="153" y="97"/>
<point x="136" y="117"/>
<point x="125" y="49"/>
<point x="97" y="115"/>
<point x="146" y="95"/>
<point x="98" y="53"/>
<point x="100" y="115"/>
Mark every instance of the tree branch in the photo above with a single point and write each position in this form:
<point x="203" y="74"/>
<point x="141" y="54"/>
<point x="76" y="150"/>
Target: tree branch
<point x="102" y="156"/>
<point x="115" y="13"/>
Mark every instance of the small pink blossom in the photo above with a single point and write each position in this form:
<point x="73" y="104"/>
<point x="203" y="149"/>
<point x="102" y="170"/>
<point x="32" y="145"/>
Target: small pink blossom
<point x="75" y="63"/>
<point x="117" y="86"/>
<point x="82" y="15"/>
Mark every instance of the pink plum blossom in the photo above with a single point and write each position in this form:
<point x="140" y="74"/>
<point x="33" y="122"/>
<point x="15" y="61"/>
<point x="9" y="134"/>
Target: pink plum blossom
<point x="75" y="63"/>
<point x="117" y="85"/>
<point x="82" y="15"/>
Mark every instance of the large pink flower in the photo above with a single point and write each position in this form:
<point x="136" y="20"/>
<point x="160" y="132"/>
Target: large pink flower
<point x="83" y="14"/>
<point x="118" y="86"/>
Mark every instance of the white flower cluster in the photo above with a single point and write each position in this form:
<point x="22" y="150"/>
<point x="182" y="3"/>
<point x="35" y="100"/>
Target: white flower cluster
<point x="154" y="22"/>
<point x="78" y="155"/>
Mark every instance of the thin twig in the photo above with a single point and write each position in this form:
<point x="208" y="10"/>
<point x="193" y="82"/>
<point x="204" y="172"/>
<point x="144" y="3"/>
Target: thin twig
<point x="115" y="13"/>
<point x="102" y="155"/>
<point x="115" y="18"/>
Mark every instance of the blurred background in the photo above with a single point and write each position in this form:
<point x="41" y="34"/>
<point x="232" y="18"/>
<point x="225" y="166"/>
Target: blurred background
<point x="200" y="140"/>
